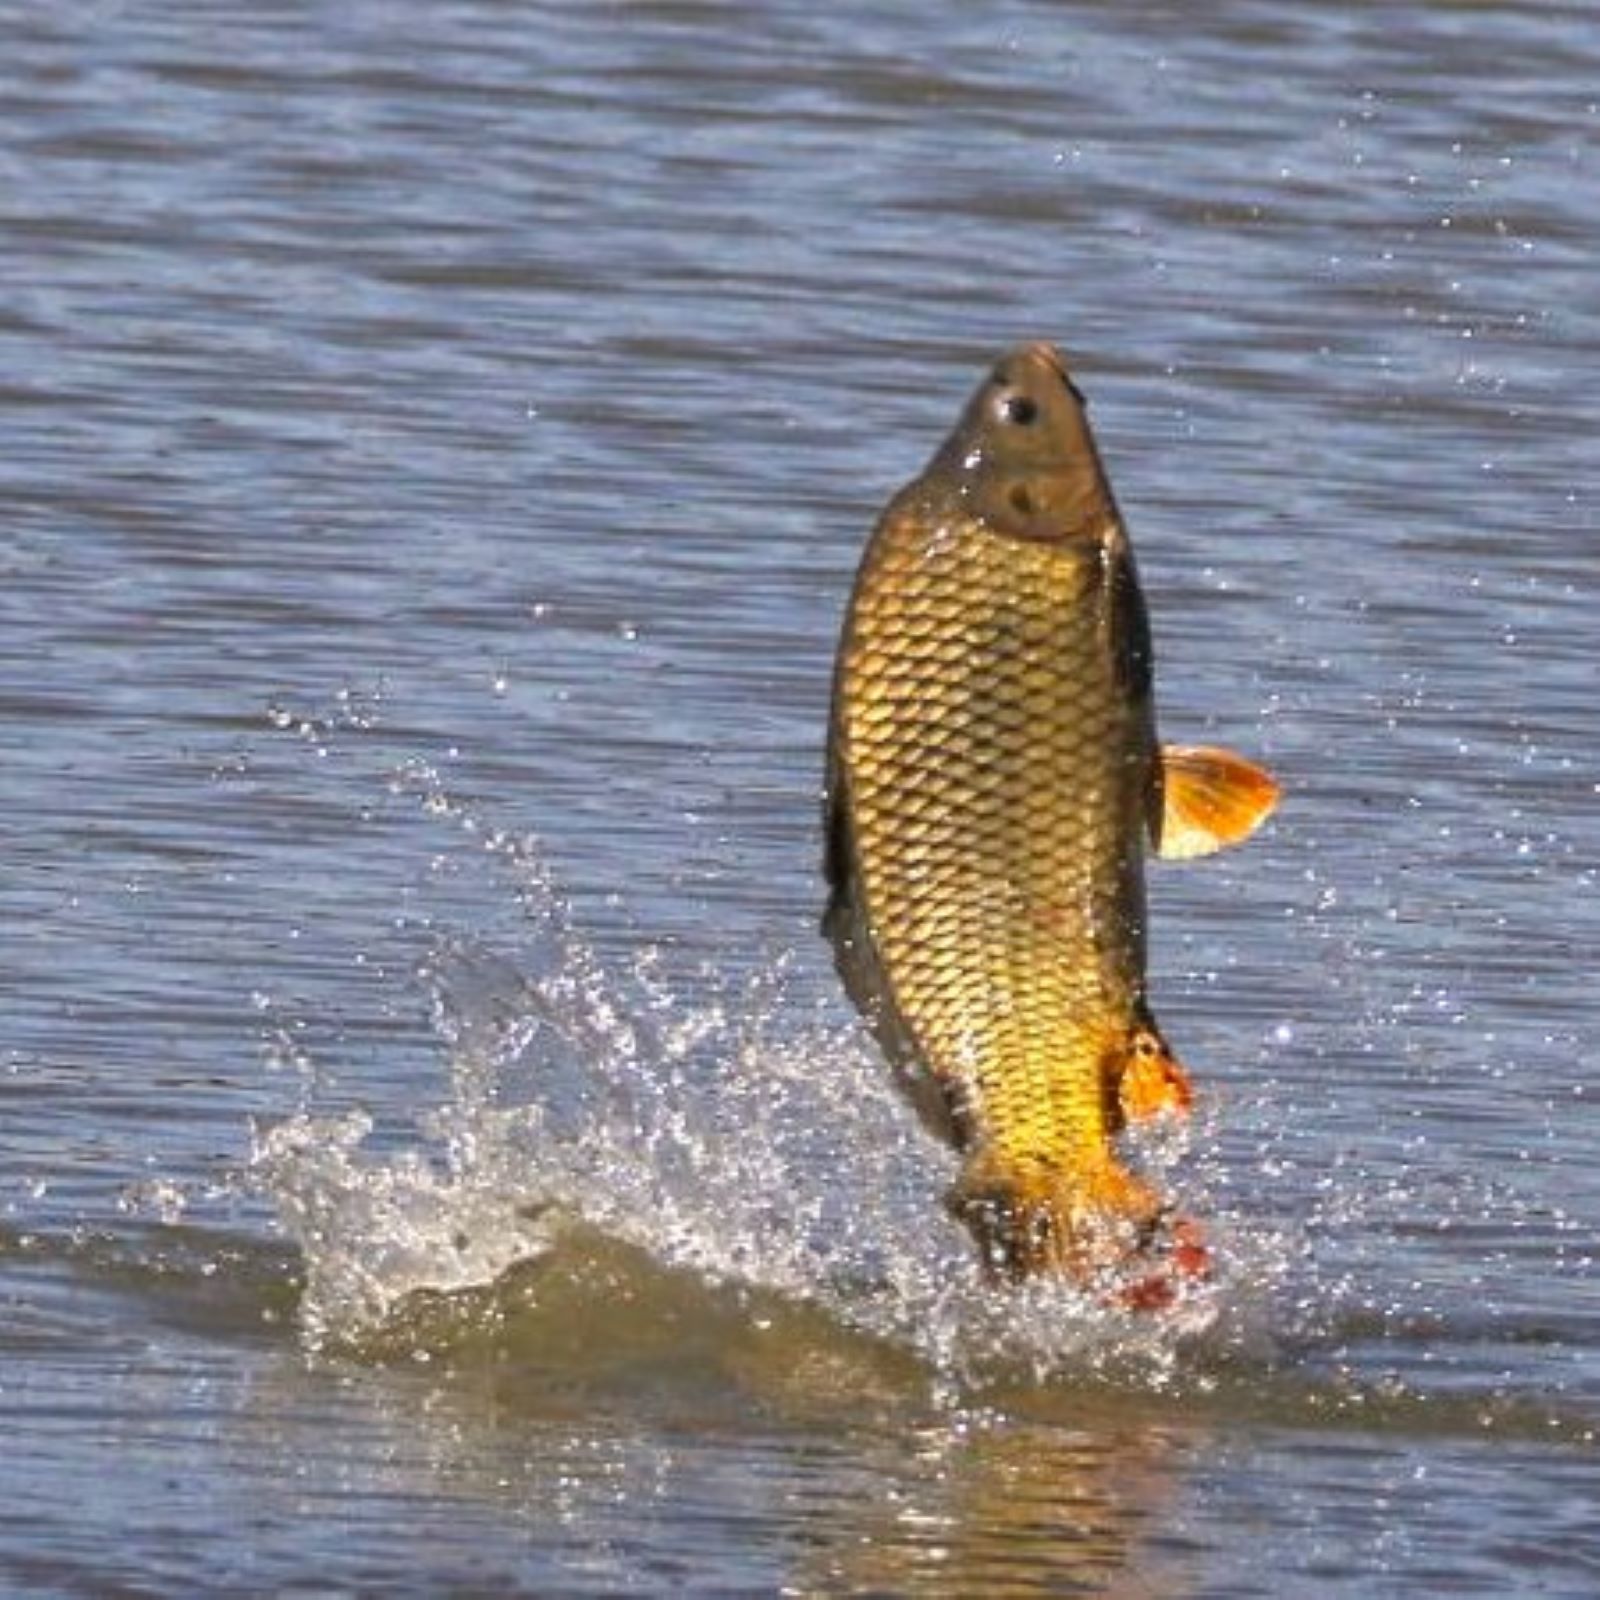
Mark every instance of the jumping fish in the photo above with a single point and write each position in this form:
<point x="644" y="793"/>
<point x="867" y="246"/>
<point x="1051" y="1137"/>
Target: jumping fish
<point x="994" y="779"/>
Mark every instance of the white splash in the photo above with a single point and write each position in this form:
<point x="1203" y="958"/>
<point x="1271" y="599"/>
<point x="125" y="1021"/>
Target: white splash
<point x="723" y="1138"/>
<point x="737" y="1135"/>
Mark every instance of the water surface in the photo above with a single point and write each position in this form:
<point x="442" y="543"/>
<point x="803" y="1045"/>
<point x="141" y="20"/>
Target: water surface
<point x="438" y="442"/>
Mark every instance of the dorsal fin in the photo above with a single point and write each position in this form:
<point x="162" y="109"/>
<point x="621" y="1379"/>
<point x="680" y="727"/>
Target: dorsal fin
<point x="1131" y="653"/>
<point x="1211" y="798"/>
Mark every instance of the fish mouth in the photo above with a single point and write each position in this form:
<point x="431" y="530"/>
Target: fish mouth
<point x="1042" y="352"/>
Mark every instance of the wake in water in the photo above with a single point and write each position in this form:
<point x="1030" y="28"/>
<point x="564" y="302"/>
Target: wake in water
<point x="730" y="1136"/>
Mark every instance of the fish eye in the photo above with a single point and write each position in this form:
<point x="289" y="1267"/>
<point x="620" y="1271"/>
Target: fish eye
<point x="1021" y="501"/>
<point x="1020" y="409"/>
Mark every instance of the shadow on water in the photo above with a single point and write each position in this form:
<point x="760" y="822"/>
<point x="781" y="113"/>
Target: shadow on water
<point x="592" y="1325"/>
<point x="598" y="1322"/>
<point x="597" y="1391"/>
<point x="574" y="1391"/>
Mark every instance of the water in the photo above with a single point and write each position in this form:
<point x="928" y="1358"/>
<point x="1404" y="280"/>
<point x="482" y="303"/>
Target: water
<point x="438" y="441"/>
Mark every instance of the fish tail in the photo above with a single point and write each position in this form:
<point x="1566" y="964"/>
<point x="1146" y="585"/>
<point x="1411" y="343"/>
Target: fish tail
<point x="1032" y="1219"/>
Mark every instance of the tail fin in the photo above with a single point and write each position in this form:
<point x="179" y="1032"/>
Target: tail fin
<point x="1031" y="1220"/>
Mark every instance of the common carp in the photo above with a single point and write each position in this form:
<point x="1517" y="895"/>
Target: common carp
<point x="994" y="780"/>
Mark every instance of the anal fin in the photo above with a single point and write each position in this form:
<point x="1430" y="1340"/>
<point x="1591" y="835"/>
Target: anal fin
<point x="1152" y="1079"/>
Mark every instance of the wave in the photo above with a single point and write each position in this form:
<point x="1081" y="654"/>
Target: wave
<point x="720" y="1129"/>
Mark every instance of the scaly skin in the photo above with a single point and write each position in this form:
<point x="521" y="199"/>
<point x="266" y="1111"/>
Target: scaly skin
<point x="992" y="777"/>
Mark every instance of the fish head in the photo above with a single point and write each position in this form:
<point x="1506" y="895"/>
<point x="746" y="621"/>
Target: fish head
<point x="1022" y="459"/>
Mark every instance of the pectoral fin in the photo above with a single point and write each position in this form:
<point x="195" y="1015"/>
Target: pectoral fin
<point x="1210" y="799"/>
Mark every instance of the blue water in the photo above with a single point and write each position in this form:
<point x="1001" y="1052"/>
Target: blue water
<point x="437" y="445"/>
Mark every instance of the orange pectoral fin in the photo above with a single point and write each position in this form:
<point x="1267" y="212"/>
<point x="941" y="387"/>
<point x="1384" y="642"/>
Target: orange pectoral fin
<point x="1211" y="798"/>
<point x="1152" y="1081"/>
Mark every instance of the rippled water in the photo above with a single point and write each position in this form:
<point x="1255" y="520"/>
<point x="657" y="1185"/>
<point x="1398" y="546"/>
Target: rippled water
<point x="437" y="444"/>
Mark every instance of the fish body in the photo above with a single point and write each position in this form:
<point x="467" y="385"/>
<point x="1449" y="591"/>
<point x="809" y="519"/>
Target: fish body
<point x="994" y="777"/>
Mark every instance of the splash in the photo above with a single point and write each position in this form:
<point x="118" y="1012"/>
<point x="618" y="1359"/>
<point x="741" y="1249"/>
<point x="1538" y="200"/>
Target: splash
<point x="723" y="1129"/>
